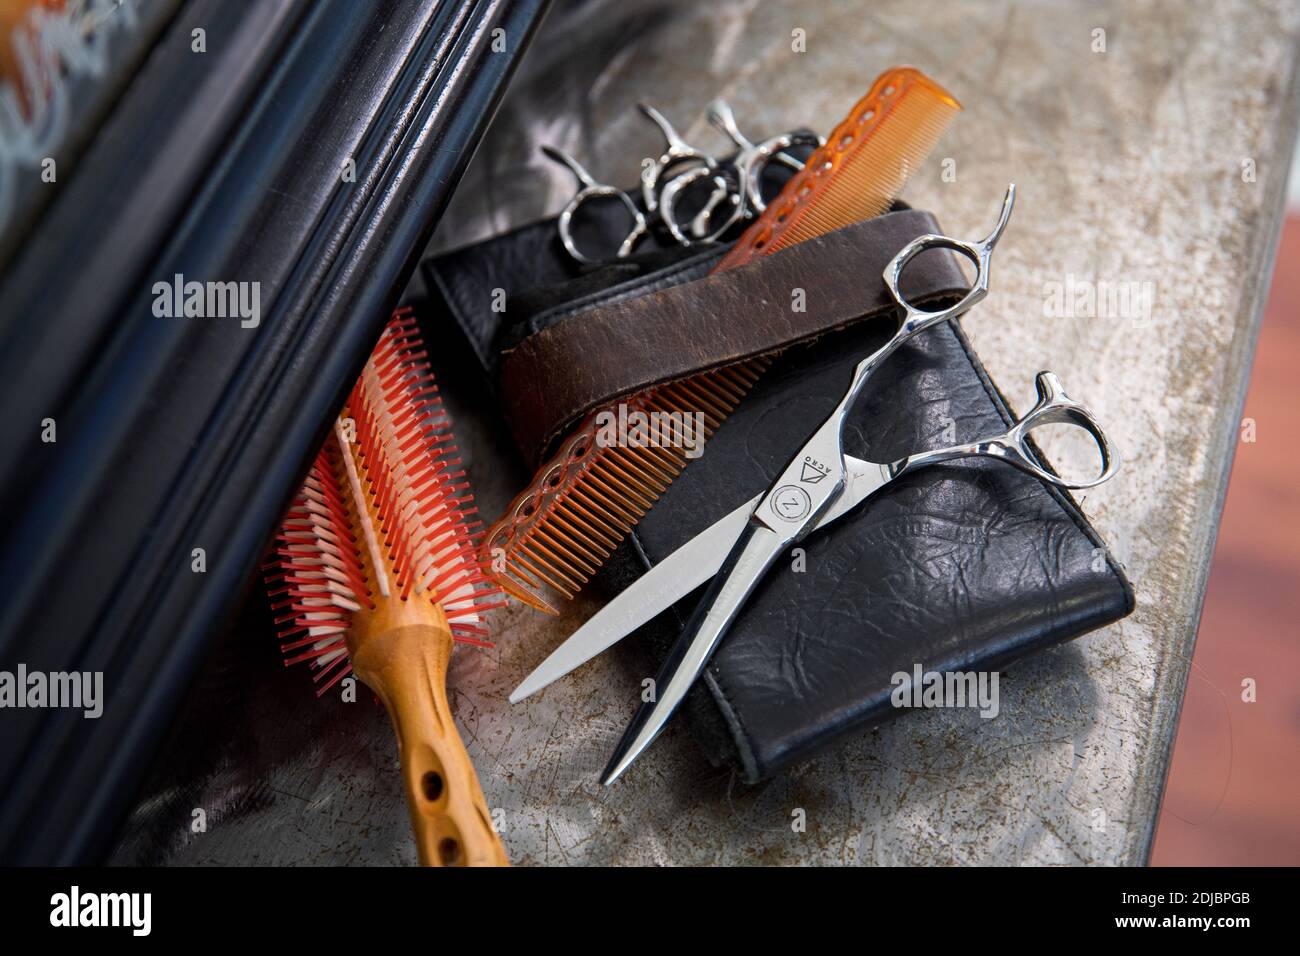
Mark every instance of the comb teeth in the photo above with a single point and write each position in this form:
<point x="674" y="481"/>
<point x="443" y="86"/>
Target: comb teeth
<point x="406" y="478"/>
<point x="586" y="498"/>
<point x="557" y="533"/>
<point x="315" y="579"/>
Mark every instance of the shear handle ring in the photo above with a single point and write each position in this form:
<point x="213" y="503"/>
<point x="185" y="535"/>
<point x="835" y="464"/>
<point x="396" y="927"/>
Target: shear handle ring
<point x="1012" y="447"/>
<point x="720" y="195"/>
<point x="676" y="152"/>
<point x="592" y="190"/>
<point x="721" y="118"/>
<point x="1057" y="408"/>
<point x="753" y="162"/>
<point x="979" y="253"/>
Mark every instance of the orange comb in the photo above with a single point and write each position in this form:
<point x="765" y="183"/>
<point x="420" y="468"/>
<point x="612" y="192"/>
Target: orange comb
<point x="587" y="497"/>
<point x="375" y="571"/>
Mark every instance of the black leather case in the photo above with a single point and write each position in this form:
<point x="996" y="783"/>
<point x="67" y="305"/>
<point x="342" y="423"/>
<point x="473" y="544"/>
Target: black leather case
<point x="961" y="567"/>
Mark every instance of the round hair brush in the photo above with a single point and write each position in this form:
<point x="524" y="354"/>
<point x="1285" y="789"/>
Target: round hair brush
<point x="375" y="573"/>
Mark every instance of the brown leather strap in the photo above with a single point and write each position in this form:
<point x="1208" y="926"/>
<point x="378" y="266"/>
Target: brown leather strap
<point x="585" y="361"/>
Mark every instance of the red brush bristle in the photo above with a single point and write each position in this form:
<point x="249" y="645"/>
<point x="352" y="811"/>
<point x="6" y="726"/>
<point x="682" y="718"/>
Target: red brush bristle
<point x="315" y="579"/>
<point x="416" y="481"/>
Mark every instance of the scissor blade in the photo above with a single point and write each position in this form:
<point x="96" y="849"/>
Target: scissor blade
<point x="659" y="588"/>
<point x="675" y="577"/>
<point x="753" y="554"/>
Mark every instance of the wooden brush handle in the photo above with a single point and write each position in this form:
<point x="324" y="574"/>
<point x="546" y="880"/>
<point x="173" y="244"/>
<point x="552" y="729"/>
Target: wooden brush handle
<point x="406" y="666"/>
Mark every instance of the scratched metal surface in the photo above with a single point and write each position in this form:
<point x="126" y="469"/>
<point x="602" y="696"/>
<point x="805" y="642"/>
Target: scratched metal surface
<point x="1130" y="165"/>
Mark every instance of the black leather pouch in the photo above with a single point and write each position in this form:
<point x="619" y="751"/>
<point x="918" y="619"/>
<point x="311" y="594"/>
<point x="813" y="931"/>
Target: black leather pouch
<point x="964" y="567"/>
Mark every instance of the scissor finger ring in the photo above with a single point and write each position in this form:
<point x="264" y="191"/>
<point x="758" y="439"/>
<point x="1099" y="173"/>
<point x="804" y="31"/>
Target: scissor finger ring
<point x="676" y="152"/>
<point x="590" y="190"/>
<point x="673" y="190"/>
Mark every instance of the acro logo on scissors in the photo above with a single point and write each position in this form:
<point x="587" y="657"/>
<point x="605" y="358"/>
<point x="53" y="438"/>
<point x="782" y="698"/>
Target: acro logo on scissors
<point x="813" y="471"/>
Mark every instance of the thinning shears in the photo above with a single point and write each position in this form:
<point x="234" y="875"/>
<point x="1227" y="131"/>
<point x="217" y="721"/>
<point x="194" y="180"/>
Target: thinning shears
<point x="694" y="196"/>
<point x="820" y="485"/>
<point x="736" y="185"/>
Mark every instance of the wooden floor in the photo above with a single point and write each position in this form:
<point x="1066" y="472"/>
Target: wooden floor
<point x="1233" y="795"/>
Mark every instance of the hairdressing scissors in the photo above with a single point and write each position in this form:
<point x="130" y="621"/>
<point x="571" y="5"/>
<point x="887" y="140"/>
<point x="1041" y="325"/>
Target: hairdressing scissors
<point x="753" y="158"/>
<point x="677" y="153"/>
<point x="691" y="165"/>
<point x="820" y="485"/>
<point x="680" y="170"/>
<point x="589" y="190"/>
<point x="744" y="199"/>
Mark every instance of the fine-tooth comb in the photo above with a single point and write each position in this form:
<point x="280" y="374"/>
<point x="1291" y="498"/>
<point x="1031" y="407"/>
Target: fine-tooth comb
<point x="375" y="570"/>
<point x="587" y="497"/>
